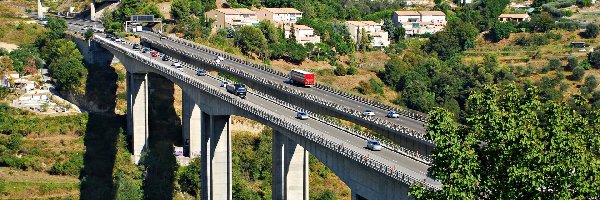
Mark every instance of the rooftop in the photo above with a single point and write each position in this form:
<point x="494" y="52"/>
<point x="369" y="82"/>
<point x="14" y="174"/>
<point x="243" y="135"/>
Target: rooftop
<point x="407" y="13"/>
<point x="297" y="27"/>
<point x="432" y="13"/>
<point x="283" y="10"/>
<point x="363" y="23"/>
<point x="520" y="16"/>
<point x="234" y="11"/>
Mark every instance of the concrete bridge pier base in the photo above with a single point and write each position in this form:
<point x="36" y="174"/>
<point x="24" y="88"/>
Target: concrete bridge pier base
<point x="137" y="116"/>
<point x="191" y="126"/>
<point x="290" y="169"/>
<point x="216" y="157"/>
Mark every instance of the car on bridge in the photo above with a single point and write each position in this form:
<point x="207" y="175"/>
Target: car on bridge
<point x="201" y="72"/>
<point x="374" y="145"/>
<point x="154" y="54"/>
<point x="237" y="89"/>
<point x="176" y="64"/>
<point x="165" y="58"/>
<point x="368" y="113"/>
<point x="301" y="115"/>
<point x="145" y="50"/>
<point x="392" y="114"/>
<point x="224" y="83"/>
<point x="136" y="47"/>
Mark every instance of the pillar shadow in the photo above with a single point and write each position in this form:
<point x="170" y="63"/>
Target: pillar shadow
<point x="164" y="131"/>
<point x="101" y="133"/>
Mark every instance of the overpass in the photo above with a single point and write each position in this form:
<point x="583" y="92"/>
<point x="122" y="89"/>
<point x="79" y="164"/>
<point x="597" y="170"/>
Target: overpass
<point x="206" y="109"/>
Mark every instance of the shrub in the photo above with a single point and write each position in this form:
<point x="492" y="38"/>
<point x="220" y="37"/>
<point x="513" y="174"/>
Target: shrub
<point x="14" y="142"/>
<point x="554" y="64"/>
<point x="352" y="71"/>
<point x="591" y="82"/>
<point x="594" y="59"/>
<point x="578" y="73"/>
<point x="340" y="70"/>
<point x="71" y="167"/>
<point x="572" y="62"/>
<point x="591" y="30"/>
<point x="189" y="178"/>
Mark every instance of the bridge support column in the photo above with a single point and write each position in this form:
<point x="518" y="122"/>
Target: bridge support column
<point x="137" y="113"/>
<point x="216" y="157"/>
<point x="191" y="126"/>
<point x="290" y="169"/>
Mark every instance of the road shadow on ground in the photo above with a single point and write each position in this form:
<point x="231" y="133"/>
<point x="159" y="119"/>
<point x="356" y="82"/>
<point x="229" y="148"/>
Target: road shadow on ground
<point x="165" y="130"/>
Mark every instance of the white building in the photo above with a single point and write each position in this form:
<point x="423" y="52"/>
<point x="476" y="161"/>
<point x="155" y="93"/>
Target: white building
<point x="419" y="2"/>
<point x="373" y="29"/>
<point x="279" y="15"/>
<point x="303" y="34"/>
<point x="420" y="22"/>
<point x="232" y="17"/>
<point x="513" y="17"/>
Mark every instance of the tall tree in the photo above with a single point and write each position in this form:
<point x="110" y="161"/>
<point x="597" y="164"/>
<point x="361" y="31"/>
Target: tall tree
<point x="250" y="40"/>
<point x="513" y="146"/>
<point x="180" y="9"/>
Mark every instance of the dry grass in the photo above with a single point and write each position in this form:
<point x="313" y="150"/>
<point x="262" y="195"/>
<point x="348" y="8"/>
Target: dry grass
<point x="22" y="184"/>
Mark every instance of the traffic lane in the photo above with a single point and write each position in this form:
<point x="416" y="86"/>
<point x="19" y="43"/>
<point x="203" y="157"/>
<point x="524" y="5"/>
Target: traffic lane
<point x="380" y="113"/>
<point x="359" y="143"/>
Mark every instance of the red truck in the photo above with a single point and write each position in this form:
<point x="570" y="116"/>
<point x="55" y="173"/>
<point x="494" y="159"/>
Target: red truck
<point x="302" y="77"/>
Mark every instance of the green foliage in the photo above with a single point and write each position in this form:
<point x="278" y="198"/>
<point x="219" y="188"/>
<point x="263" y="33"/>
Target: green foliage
<point x="250" y="40"/>
<point x="578" y="73"/>
<point x="253" y="156"/>
<point x="3" y="51"/>
<point x="594" y="59"/>
<point x="189" y="178"/>
<point x="27" y="55"/>
<point x="502" y="30"/>
<point x="57" y="27"/>
<point x="151" y="9"/>
<point x="15" y="141"/>
<point x="70" y="74"/>
<point x="572" y="62"/>
<point x="511" y="146"/>
<point x="416" y="95"/>
<point x="591" y="82"/>
<point x="180" y="9"/>
<point x="591" y="30"/>
<point x="325" y="195"/>
<point x="457" y="37"/>
<point x="88" y="34"/>
<point x="537" y="39"/>
<point x="554" y="64"/>
<point x="70" y="167"/>
<point x="21" y="122"/>
<point x="272" y="33"/>
<point x="352" y="70"/>
<point x="127" y="188"/>
<point x="541" y="23"/>
<point x="340" y="70"/>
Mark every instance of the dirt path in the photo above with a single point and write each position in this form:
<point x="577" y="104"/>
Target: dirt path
<point x="8" y="46"/>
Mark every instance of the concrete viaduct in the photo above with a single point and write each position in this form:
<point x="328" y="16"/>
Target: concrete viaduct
<point x="206" y="119"/>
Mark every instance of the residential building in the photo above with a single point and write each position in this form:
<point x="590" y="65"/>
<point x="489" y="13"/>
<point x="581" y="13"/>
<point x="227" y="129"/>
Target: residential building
<point x="373" y="29"/>
<point x="420" y="22"/>
<point x="303" y="34"/>
<point x="232" y="17"/>
<point x="279" y="15"/>
<point x="514" y="17"/>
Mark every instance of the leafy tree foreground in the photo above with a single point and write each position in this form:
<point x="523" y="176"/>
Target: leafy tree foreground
<point x="514" y="147"/>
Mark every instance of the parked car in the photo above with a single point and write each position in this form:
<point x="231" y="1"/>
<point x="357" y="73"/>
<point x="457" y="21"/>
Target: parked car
<point x="368" y="112"/>
<point x="392" y="114"/>
<point x="301" y="115"/>
<point x="201" y="72"/>
<point x="374" y="145"/>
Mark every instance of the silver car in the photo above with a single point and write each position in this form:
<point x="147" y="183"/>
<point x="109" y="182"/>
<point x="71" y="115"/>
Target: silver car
<point x="301" y="115"/>
<point x="374" y="145"/>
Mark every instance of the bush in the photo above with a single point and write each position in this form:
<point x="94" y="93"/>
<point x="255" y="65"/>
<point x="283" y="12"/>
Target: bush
<point x="340" y="70"/>
<point x="594" y="59"/>
<point x="578" y="73"/>
<point x="14" y="142"/>
<point x="591" y="30"/>
<point x="189" y="178"/>
<point x="71" y="167"/>
<point x="572" y="62"/>
<point x="591" y="82"/>
<point x="352" y="71"/>
<point x="554" y="64"/>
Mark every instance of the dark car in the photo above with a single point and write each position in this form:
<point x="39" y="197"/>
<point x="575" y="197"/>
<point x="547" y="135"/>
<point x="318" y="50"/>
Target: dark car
<point x="145" y="50"/>
<point x="165" y="58"/>
<point x="201" y="72"/>
<point x="136" y="47"/>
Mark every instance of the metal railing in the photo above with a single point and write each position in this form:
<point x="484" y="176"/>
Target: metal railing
<point x="395" y="127"/>
<point x="328" y="141"/>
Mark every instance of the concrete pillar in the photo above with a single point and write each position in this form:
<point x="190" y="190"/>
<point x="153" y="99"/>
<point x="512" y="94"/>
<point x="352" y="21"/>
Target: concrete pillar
<point x="40" y="10"/>
<point x="191" y="126"/>
<point x="356" y="196"/>
<point x="216" y="157"/>
<point x="290" y="169"/>
<point x="129" y="97"/>
<point x="138" y="115"/>
<point x="92" y="12"/>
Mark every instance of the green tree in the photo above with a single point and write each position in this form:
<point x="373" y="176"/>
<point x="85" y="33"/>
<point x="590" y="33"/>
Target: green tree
<point x="416" y="95"/>
<point x="57" y="27"/>
<point x="511" y="146"/>
<point x="296" y="53"/>
<point x="457" y="37"/>
<point x="340" y="70"/>
<point x="15" y="141"/>
<point x="591" y="30"/>
<point x="572" y="62"/>
<point x="502" y="30"/>
<point x="250" y="39"/>
<point x="578" y="73"/>
<point x="541" y="23"/>
<point x="591" y="82"/>
<point x="151" y="9"/>
<point x="593" y="58"/>
<point x="365" y="40"/>
<point x="70" y="74"/>
<point x="189" y="178"/>
<point x="180" y="9"/>
<point x="554" y="64"/>
<point x="88" y="34"/>
<point x="271" y="32"/>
